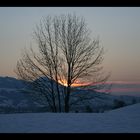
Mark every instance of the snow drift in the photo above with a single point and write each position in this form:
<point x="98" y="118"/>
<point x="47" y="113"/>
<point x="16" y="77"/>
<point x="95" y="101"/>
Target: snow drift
<point x="123" y="120"/>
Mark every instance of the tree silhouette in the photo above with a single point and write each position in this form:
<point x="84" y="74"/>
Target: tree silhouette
<point x="66" y="54"/>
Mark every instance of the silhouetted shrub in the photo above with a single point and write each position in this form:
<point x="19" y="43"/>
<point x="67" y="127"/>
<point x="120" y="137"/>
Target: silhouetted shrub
<point x="88" y="109"/>
<point x="118" y="103"/>
<point x="134" y="101"/>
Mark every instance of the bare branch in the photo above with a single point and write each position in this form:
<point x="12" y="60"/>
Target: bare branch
<point x="66" y="53"/>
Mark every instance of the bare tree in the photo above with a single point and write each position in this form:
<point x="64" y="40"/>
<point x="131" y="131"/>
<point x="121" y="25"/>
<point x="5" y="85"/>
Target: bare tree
<point x="67" y="54"/>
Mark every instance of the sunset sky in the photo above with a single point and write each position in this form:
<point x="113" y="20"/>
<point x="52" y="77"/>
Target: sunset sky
<point x="117" y="27"/>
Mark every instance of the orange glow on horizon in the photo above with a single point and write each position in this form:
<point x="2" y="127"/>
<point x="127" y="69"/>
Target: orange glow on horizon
<point x="63" y="82"/>
<point x="77" y="83"/>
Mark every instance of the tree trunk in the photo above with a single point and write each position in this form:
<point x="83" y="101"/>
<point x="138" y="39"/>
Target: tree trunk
<point x="67" y="107"/>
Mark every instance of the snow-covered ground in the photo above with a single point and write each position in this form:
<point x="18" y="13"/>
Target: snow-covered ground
<point x="123" y="120"/>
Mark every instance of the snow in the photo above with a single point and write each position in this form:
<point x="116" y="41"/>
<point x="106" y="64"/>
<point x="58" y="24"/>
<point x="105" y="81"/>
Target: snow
<point x="123" y="120"/>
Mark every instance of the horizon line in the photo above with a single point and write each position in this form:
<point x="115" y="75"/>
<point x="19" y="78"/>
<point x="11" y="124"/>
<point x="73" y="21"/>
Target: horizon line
<point x="107" y="82"/>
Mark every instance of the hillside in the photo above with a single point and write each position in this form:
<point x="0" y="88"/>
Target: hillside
<point x="15" y="98"/>
<point x="11" y="83"/>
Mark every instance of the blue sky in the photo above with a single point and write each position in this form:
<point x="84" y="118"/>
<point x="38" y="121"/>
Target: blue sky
<point x="117" y="27"/>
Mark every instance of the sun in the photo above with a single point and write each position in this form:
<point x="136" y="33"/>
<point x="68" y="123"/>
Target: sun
<point x="63" y="82"/>
<point x="77" y="83"/>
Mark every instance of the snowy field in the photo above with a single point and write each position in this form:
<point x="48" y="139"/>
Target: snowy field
<point x="123" y="120"/>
